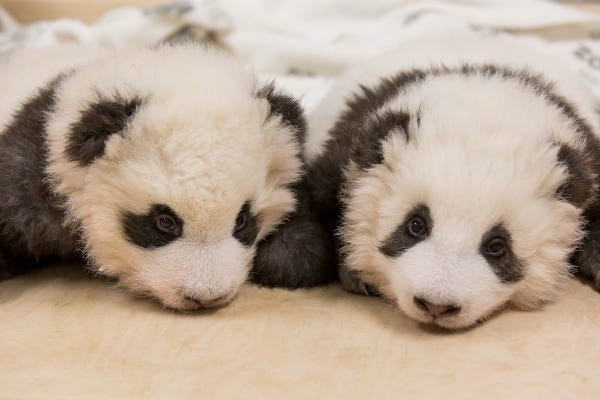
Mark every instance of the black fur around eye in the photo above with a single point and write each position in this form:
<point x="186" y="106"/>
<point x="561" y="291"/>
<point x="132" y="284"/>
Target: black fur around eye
<point x="495" y="247"/>
<point x="245" y="229"/>
<point x="158" y="227"/>
<point x="240" y="220"/>
<point x="416" y="227"/>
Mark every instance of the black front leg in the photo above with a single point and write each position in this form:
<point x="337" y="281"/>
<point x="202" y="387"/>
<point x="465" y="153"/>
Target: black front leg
<point x="12" y="264"/>
<point x="299" y="253"/>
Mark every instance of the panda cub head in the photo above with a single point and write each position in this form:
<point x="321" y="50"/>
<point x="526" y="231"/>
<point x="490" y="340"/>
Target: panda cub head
<point x="464" y="191"/>
<point x="173" y="164"/>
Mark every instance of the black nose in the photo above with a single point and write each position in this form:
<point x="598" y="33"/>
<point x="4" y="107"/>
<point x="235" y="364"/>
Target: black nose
<point x="436" y="310"/>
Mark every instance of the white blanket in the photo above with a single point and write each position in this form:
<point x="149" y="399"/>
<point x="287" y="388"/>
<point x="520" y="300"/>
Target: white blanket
<point x="305" y="44"/>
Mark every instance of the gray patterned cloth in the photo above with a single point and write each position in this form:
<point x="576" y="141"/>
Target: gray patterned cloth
<point x="305" y="44"/>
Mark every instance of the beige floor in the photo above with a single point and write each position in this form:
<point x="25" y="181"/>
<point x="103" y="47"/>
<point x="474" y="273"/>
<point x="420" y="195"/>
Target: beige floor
<point x="64" y="334"/>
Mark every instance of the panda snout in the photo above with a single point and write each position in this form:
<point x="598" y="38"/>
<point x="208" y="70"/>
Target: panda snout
<point x="198" y="302"/>
<point x="436" y="310"/>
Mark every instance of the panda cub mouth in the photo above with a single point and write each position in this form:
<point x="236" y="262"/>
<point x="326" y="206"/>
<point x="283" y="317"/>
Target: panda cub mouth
<point x="212" y="303"/>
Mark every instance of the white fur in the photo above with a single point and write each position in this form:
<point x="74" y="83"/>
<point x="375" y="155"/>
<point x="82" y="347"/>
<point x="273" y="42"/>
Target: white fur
<point x="200" y="143"/>
<point x="484" y="153"/>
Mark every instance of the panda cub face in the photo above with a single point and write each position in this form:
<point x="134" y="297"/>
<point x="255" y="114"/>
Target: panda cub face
<point x="173" y="165"/>
<point x="462" y="209"/>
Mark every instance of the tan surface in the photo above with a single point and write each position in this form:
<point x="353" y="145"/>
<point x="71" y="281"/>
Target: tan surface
<point x="67" y="335"/>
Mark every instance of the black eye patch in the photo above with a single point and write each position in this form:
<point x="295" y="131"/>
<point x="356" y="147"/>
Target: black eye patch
<point x="416" y="227"/>
<point x="496" y="248"/>
<point x="246" y="226"/>
<point x="158" y="227"/>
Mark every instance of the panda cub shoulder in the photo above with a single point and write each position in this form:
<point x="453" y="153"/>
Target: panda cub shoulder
<point x="161" y="167"/>
<point x="458" y="177"/>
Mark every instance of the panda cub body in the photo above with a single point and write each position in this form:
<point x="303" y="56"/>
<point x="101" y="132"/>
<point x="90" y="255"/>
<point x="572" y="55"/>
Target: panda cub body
<point x="458" y="175"/>
<point x="161" y="167"/>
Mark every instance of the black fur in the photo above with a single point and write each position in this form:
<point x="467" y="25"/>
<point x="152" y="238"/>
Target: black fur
<point x="507" y="268"/>
<point x="400" y="240"/>
<point x="31" y="214"/>
<point x="578" y="188"/>
<point x="141" y="229"/>
<point x="299" y="253"/>
<point x="370" y="152"/>
<point x="287" y="108"/>
<point x="246" y="235"/>
<point x="100" y="120"/>
<point x="587" y="256"/>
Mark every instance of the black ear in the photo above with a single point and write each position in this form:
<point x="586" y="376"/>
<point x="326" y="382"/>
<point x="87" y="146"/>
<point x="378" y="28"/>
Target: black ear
<point x="285" y="107"/>
<point x="578" y="189"/>
<point x="367" y="150"/>
<point x="99" y="120"/>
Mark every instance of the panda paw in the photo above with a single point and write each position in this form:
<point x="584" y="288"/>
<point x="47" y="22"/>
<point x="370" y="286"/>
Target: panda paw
<point x="353" y="284"/>
<point x="298" y="254"/>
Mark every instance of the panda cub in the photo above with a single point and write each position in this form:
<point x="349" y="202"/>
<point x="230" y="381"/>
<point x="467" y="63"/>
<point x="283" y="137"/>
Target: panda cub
<point x="162" y="167"/>
<point x="460" y="175"/>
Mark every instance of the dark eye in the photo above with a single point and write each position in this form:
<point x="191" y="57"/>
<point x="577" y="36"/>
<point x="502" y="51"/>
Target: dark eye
<point x="495" y="247"/>
<point x="240" y="220"/>
<point x="416" y="227"/>
<point x="165" y="223"/>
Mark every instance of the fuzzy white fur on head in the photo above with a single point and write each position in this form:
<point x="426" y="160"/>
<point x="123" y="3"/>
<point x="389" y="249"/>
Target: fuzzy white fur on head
<point x="473" y="169"/>
<point x="200" y="142"/>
